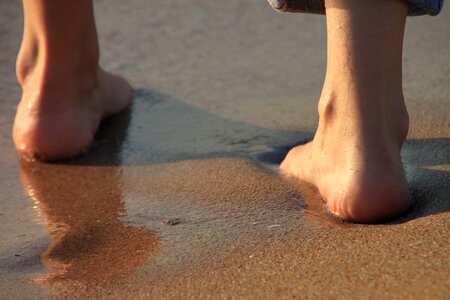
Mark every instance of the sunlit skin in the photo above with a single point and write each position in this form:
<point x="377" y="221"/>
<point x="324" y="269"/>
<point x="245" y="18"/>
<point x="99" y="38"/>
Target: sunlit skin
<point x="354" y="159"/>
<point x="65" y="93"/>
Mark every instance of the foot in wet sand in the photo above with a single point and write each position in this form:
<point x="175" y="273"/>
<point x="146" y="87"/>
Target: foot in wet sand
<point x="65" y="94"/>
<point x="60" y="121"/>
<point x="354" y="158"/>
<point x="354" y="161"/>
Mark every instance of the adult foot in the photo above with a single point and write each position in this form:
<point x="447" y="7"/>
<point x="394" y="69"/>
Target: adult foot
<point x="59" y="119"/>
<point x="65" y="93"/>
<point x="354" y="158"/>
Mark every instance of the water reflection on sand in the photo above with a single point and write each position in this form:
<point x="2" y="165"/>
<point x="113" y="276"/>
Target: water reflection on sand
<point x="81" y="207"/>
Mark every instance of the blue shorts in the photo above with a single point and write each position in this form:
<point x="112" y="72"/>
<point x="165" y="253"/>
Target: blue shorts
<point x="415" y="7"/>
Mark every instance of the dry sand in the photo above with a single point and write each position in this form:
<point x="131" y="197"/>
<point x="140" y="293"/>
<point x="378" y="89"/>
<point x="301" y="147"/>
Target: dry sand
<point x="179" y="198"/>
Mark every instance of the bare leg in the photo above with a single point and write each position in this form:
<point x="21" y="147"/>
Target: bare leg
<point x="354" y="159"/>
<point x="65" y="92"/>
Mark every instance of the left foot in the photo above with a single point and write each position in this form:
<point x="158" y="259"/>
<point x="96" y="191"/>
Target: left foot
<point x="54" y="122"/>
<point x="65" y="94"/>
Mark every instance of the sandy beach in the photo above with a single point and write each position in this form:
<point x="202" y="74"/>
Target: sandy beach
<point x="180" y="195"/>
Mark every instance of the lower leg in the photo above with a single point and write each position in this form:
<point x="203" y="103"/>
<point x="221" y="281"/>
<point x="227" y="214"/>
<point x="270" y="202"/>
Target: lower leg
<point x="65" y="93"/>
<point x="354" y="159"/>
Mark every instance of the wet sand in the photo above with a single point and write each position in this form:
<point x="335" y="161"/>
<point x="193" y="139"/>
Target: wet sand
<point x="180" y="198"/>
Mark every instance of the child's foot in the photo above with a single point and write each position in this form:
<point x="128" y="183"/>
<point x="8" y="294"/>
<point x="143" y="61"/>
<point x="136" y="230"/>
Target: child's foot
<point x="354" y="159"/>
<point x="59" y="120"/>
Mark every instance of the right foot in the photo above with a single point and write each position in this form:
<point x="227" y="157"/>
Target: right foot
<point x="354" y="159"/>
<point x="59" y="120"/>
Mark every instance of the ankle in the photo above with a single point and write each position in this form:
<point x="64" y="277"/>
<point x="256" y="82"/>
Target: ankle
<point x="40" y="72"/>
<point x="39" y="62"/>
<point x="44" y="61"/>
<point x="376" y="111"/>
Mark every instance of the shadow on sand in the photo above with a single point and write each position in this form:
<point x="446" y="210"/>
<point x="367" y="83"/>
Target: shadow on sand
<point x="161" y="129"/>
<point x="83" y="220"/>
<point x="81" y="200"/>
<point x="197" y="134"/>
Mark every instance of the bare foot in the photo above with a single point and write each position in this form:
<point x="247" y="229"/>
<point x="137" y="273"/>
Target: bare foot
<point x="65" y="93"/>
<point x="354" y="160"/>
<point x="60" y="121"/>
